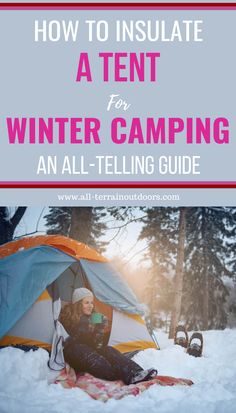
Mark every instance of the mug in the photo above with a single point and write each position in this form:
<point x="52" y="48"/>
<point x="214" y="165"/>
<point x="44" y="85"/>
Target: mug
<point x="97" y="318"/>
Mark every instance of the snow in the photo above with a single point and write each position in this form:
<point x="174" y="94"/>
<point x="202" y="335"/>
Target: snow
<point x="24" y="381"/>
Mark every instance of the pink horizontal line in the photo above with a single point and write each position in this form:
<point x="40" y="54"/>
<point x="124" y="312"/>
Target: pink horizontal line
<point x="118" y="8"/>
<point x="117" y="5"/>
<point x="118" y="184"/>
<point x="167" y="6"/>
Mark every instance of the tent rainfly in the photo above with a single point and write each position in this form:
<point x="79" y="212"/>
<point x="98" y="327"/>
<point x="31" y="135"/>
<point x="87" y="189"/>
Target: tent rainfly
<point x="38" y="274"/>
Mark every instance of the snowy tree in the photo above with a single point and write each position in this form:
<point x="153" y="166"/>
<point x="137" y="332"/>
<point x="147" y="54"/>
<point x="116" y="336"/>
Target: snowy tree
<point x="84" y="224"/>
<point x="8" y="223"/>
<point x="58" y="220"/>
<point x="179" y="272"/>
<point x="205" y="293"/>
<point x="231" y="302"/>
<point x="160" y="229"/>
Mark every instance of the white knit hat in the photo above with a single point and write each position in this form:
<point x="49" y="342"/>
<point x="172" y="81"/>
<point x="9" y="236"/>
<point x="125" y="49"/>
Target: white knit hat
<point x="81" y="293"/>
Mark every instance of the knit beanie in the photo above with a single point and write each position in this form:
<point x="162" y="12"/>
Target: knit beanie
<point x="81" y="293"/>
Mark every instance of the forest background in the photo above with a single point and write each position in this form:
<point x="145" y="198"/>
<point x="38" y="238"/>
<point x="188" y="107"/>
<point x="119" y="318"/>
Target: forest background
<point x="180" y="262"/>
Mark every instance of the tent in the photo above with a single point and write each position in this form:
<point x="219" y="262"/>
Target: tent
<point x="39" y="273"/>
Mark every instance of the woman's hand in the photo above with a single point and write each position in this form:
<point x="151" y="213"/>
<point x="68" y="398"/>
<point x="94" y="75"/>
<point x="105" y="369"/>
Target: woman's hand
<point x="99" y="332"/>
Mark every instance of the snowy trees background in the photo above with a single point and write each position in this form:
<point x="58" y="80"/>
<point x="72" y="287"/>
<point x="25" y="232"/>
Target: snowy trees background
<point x="209" y="260"/>
<point x="83" y="224"/>
<point x="186" y="269"/>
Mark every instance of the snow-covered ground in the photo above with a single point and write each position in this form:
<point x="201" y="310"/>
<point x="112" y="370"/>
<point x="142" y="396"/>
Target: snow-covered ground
<point x="24" y="387"/>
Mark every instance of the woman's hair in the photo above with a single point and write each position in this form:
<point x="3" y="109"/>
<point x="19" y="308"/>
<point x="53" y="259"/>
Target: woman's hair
<point x="70" y="314"/>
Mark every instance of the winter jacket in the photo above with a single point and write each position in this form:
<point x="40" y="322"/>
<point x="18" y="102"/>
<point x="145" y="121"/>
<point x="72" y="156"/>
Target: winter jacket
<point x="85" y="332"/>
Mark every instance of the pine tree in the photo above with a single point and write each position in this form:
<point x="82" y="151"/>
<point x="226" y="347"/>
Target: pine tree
<point x="209" y="235"/>
<point x="58" y="220"/>
<point x="87" y="226"/>
<point x="205" y="294"/>
<point x="178" y="279"/>
<point x="231" y="302"/>
<point x="84" y="224"/>
<point x="160" y="230"/>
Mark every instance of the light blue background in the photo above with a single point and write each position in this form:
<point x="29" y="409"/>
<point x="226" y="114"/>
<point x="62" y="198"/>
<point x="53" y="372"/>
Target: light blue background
<point x="194" y="79"/>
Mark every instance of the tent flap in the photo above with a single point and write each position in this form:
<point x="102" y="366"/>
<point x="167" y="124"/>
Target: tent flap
<point x="23" y="277"/>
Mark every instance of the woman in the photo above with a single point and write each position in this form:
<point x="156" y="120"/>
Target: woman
<point x="84" y="349"/>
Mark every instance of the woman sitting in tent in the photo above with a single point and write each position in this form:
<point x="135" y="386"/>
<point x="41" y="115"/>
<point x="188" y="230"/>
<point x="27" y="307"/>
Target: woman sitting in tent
<point x="84" y="349"/>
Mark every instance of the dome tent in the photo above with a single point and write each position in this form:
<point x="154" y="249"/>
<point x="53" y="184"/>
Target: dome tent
<point x="36" y="271"/>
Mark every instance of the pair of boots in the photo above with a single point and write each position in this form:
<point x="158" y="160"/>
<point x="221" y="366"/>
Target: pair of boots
<point x="194" y="345"/>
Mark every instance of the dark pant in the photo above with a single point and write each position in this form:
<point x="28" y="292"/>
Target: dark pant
<point x="106" y="363"/>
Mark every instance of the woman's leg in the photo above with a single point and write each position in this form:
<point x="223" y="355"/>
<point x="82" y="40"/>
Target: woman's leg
<point x="124" y="368"/>
<point x="85" y="359"/>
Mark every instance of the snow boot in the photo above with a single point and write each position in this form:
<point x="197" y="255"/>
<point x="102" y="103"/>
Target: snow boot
<point x="195" y="345"/>
<point x="181" y="339"/>
<point x="144" y="375"/>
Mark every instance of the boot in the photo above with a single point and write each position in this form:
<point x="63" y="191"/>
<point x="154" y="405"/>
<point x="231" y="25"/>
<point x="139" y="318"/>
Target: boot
<point x="143" y="375"/>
